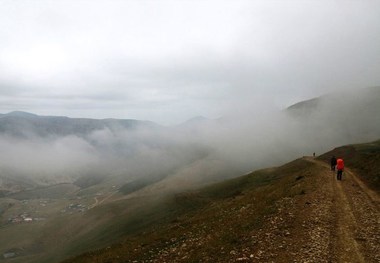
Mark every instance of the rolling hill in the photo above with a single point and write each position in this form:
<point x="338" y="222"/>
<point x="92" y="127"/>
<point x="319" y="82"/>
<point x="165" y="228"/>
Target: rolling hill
<point x="341" y="118"/>
<point x="297" y="211"/>
<point x="24" y="124"/>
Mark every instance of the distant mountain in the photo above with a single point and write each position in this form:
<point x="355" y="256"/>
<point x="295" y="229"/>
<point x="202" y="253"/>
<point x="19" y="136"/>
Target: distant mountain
<point x="345" y="117"/>
<point x="24" y="124"/>
<point x="21" y="114"/>
<point x="366" y="100"/>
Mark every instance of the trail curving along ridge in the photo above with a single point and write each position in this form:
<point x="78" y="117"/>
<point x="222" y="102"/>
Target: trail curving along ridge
<point x="355" y="217"/>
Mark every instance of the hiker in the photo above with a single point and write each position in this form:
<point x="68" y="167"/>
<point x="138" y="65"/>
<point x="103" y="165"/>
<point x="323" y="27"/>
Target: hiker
<point x="333" y="163"/>
<point x="340" y="168"/>
<point x="314" y="154"/>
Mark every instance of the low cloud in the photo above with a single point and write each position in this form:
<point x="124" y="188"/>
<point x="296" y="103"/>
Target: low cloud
<point x="199" y="151"/>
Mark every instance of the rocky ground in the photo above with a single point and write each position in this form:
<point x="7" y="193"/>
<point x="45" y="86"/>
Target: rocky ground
<point x="337" y="223"/>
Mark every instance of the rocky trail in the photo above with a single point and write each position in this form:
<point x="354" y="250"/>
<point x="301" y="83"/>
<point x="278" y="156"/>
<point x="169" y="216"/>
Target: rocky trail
<point x="355" y="235"/>
<point x="339" y="222"/>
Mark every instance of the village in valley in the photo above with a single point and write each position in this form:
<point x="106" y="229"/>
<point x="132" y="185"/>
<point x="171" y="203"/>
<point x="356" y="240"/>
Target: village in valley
<point x="16" y="216"/>
<point x="29" y="214"/>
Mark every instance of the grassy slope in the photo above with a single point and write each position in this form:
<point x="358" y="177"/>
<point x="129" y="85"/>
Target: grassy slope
<point x="207" y="219"/>
<point x="364" y="159"/>
<point x="72" y="234"/>
<point x="144" y="226"/>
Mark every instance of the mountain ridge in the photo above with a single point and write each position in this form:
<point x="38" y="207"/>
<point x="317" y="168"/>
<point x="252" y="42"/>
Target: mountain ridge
<point x="280" y="214"/>
<point x="25" y="124"/>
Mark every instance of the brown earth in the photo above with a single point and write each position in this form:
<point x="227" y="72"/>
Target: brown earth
<point x="301" y="214"/>
<point x="339" y="222"/>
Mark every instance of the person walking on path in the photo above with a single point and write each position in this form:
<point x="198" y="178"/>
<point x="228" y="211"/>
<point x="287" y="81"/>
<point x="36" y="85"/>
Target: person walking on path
<point x="333" y="163"/>
<point x="340" y="168"/>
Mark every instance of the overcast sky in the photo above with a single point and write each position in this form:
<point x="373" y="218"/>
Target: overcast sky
<point x="168" y="61"/>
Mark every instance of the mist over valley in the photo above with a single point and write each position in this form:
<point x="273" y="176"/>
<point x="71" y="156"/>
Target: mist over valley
<point x="185" y="131"/>
<point x="45" y="150"/>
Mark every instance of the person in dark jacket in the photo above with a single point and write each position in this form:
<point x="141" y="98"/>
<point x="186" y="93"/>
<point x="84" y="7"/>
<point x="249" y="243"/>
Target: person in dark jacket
<point x="333" y="163"/>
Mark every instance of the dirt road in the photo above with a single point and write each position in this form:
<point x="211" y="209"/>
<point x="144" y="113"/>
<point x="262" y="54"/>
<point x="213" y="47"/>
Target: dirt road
<point x="97" y="202"/>
<point x="337" y="222"/>
<point x="355" y="233"/>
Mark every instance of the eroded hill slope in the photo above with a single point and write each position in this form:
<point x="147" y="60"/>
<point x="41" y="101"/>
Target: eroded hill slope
<point x="294" y="213"/>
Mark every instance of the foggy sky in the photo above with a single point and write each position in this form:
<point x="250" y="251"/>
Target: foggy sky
<point x="168" y="61"/>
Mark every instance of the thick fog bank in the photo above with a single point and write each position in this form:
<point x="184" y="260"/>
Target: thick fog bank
<point x="203" y="150"/>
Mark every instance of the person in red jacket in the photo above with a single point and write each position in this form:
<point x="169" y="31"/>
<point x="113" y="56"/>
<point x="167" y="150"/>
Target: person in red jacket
<point x="340" y="168"/>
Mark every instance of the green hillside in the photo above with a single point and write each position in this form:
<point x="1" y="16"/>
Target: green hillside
<point x="224" y="222"/>
<point x="216" y="217"/>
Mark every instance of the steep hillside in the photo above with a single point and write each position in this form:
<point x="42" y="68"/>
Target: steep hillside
<point x="195" y="215"/>
<point x="280" y="214"/>
<point x="295" y="212"/>
<point x="298" y="208"/>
